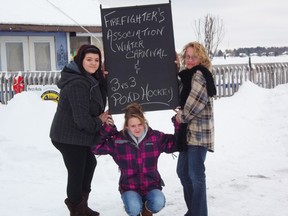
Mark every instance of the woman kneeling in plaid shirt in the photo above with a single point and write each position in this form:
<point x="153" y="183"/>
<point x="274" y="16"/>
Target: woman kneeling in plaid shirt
<point x="136" y="150"/>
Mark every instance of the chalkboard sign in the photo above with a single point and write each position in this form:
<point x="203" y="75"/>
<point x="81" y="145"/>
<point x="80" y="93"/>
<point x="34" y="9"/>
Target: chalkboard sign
<point x="139" y="56"/>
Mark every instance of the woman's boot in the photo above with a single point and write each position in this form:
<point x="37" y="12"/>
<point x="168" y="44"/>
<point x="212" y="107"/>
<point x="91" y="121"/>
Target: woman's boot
<point x="88" y="211"/>
<point x="145" y="211"/>
<point x="76" y="209"/>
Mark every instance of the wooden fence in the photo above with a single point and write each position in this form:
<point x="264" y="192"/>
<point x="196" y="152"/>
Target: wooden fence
<point x="228" y="78"/>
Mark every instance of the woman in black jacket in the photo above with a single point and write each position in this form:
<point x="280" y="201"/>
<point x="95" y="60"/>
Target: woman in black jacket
<point x="79" y="116"/>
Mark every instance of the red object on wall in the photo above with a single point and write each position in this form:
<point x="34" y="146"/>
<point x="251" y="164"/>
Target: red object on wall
<point x="18" y="84"/>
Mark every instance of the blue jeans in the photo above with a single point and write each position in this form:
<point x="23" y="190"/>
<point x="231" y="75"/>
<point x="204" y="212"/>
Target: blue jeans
<point x="191" y="171"/>
<point x="133" y="202"/>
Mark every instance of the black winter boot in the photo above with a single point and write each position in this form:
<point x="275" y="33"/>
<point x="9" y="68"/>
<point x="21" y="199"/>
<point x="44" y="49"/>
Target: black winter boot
<point x="76" y="209"/>
<point x="88" y="211"/>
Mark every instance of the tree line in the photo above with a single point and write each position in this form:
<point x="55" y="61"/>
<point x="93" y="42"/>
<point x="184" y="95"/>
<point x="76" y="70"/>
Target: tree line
<point x="254" y="51"/>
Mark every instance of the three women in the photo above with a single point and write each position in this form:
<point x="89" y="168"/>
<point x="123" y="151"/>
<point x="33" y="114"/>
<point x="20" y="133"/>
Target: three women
<point x="136" y="148"/>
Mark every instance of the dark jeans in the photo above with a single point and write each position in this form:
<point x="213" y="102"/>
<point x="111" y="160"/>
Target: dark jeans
<point x="191" y="171"/>
<point x="80" y="163"/>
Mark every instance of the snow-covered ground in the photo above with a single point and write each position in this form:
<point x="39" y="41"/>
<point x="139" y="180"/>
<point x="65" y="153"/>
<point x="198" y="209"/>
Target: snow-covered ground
<point x="247" y="174"/>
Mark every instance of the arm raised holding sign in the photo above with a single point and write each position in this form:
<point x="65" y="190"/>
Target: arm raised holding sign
<point x="136" y="149"/>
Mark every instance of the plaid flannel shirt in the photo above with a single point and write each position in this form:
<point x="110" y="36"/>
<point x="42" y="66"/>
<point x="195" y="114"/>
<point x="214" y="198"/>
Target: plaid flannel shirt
<point x="137" y="163"/>
<point x="198" y="113"/>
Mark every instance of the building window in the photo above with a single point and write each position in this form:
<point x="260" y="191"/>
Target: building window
<point x="76" y="42"/>
<point x="42" y="53"/>
<point x="27" y="53"/>
<point x="14" y="56"/>
<point x="42" y="56"/>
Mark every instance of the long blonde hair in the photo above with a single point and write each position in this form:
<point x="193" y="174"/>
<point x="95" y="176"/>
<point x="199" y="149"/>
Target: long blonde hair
<point x="201" y="53"/>
<point x="134" y="110"/>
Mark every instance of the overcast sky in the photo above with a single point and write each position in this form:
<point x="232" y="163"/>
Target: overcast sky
<point x="247" y="23"/>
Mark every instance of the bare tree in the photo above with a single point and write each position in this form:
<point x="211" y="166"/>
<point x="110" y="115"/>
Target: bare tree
<point x="210" y="32"/>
